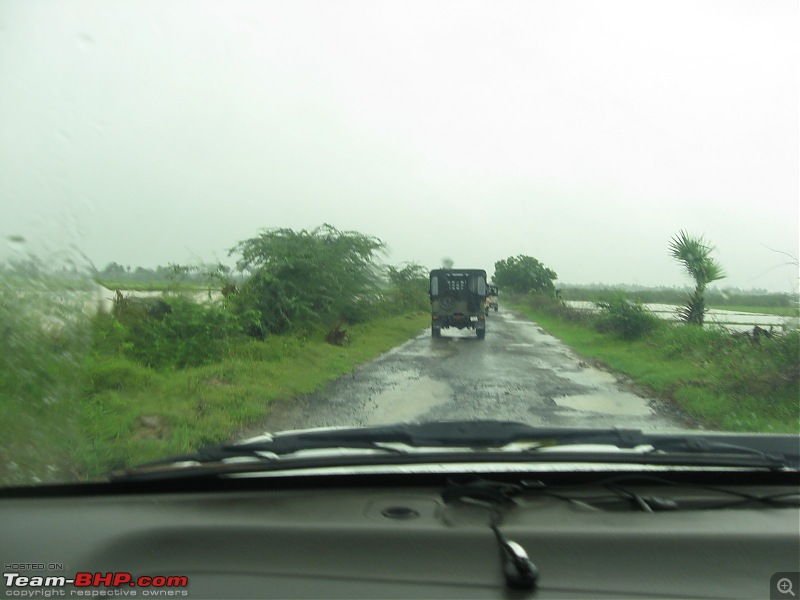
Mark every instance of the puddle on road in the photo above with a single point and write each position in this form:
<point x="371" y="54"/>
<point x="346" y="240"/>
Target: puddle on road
<point x="600" y="397"/>
<point x="589" y="377"/>
<point x="608" y="403"/>
<point x="409" y="402"/>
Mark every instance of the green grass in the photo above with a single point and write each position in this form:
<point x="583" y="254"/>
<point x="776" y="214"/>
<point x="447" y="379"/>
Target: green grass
<point x="81" y="395"/>
<point x="722" y="381"/>
<point x="151" y="414"/>
<point x="42" y="348"/>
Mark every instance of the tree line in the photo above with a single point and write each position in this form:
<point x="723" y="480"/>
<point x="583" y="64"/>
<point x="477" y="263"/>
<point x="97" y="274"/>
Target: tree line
<point x="527" y="275"/>
<point x="285" y="282"/>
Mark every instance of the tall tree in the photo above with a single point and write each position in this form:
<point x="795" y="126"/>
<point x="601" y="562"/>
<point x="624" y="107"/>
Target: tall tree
<point x="694" y="253"/>
<point x="409" y="285"/>
<point x="524" y="274"/>
<point x="296" y="278"/>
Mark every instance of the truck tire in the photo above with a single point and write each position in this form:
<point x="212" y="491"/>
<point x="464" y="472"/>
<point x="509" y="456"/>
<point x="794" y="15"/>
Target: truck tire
<point x="436" y="332"/>
<point x="481" y="333"/>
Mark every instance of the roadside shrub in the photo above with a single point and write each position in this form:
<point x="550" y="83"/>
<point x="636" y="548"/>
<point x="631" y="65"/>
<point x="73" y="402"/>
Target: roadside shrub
<point x="768" y="369"/>
<point x="194" y="334"/>
<point x="409" y="288"/>
<point x="360" y="310"/>
<point x="298" y="279"/>
<point x="176" y="332"/>
<point x="109" y="336"/>
<point x="625" y="319"/>
<point x="267" y="305"/>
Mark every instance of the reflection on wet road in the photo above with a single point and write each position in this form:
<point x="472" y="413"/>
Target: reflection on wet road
<point x="518" y="373"/>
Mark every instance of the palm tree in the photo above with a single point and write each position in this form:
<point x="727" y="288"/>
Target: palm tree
<point x="695" y="255"/>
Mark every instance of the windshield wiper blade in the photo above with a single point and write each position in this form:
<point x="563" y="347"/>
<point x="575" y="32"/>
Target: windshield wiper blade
<point x="445" y="434"/>
<point x="495" y="436"/>
<point x="266" y="450"/>
<point x="483" y="435"/>
<point x="441" y="434"/>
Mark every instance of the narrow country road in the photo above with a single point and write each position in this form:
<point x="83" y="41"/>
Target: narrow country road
<point x="518" y="373"/>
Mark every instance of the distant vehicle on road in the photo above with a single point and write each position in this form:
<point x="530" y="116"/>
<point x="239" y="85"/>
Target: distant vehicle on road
<point x="457" y="300"/>
<point x="491" y="298"/>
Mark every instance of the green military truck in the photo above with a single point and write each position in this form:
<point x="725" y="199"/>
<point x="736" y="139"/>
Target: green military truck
<point x="457" y="300"/>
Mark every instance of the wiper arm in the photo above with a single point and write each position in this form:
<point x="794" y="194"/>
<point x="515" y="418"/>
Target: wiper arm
<point x="704" y="445"/>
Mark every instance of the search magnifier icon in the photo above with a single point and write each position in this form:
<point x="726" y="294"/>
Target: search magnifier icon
<point x="784" y="586"/>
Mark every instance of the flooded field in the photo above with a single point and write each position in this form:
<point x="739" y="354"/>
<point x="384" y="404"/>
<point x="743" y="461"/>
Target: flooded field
<point x="730" y="319"/>
<point x="103" y="298"/>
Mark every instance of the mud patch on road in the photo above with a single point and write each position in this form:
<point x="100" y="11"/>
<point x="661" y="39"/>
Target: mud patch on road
<point x="409" y="402"/>
<point x="607" y="403"/>
<point x="589" y="377"/>
<point x="598" y="375"/>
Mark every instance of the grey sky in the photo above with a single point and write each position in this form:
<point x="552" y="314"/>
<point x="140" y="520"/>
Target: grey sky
<point x="584" y="133"/>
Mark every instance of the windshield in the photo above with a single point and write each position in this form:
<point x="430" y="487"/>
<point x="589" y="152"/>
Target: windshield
<point x="221" y="219"/>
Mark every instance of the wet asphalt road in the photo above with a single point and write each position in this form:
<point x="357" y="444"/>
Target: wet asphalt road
<point x="517" y="373"/>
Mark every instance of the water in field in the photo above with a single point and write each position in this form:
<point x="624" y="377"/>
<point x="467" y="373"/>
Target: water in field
<point x="103" y="298"/>
<point x="730" y="319"/>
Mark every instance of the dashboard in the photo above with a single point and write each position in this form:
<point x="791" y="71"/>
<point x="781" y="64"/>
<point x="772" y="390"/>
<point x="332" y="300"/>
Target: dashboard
<point x="397" y="537"/>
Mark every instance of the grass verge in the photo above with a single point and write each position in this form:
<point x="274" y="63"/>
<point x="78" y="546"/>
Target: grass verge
<point x="726" y="382"/>
<point x="131" y="414"/>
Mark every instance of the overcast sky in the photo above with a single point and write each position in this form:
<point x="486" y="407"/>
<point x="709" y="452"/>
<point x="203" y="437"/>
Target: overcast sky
<point x="583" y="133"/>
